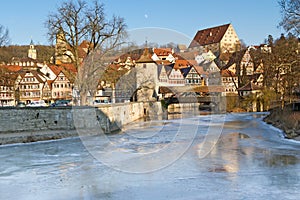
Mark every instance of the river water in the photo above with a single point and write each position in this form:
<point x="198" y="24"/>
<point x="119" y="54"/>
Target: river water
<point x="232" y="156"/>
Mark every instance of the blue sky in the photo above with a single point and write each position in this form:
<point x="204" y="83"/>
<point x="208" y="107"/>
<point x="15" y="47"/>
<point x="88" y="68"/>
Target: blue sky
<point x="253" y="20"/>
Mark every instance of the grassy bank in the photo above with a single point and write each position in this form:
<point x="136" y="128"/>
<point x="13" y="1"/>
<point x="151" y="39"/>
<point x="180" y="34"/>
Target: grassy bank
<point x="287" y="120"/>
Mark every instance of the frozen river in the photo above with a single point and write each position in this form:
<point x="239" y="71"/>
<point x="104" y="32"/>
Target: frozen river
<point x="232" y="156"/>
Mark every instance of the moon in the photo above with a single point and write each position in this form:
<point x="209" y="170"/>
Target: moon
<point x="146" y="16"/>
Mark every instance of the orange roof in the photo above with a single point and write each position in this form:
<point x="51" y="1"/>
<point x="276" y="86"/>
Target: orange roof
<point x="113" y="67"/>
<point x="209" y="36"/>
<point x="12" y="68"/>
<point x="227" y="73"/>
<point x="84" y="44"/>
<point x="69" y="66"/>
<point x="162" y="51"/>
<point x="163" y="62"/>
<point x="179" y="64"/>
<point x="56" y="69"/>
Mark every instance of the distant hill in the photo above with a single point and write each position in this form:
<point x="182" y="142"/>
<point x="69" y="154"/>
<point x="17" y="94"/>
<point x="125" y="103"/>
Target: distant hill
<point x="44" y="53"/>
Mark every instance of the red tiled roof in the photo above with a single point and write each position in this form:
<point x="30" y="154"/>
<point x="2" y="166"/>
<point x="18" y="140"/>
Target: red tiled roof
<point x="113" y="67"/>
<point x="209" y="36"/>
<point x="163" y="62"/>
<point x="69" y="67"/>
<point x="162" y="51"/>
<point x="179" y="64"/>
<point x="12" y="68"/>
<point x="227" y="73"/>
<point x="56" y="69"/>
<point x="84" y="44"/>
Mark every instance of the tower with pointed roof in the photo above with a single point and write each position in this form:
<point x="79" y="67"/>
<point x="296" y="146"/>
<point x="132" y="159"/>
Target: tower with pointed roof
<point x="146" y="77"/>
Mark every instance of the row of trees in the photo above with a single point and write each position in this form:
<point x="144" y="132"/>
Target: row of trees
<point x="281" y="70"/>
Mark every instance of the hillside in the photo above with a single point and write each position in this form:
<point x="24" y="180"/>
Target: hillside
<point x="44" y="53"/>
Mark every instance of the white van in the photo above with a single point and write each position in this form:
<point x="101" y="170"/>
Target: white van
<point x="40" y="103"/>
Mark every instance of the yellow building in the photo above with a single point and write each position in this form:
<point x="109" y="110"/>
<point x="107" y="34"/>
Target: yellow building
<point x="220" y="39"/>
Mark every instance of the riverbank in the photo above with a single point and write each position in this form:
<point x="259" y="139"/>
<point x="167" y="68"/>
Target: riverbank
<point x="287" y="120"/>
<point x="24" y="125"/>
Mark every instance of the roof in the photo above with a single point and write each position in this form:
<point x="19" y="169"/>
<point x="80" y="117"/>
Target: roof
<point x="182" y="47"/>
<point x="180" y="64"/>
<point x="181" y="89"/>
<point x="235" y="58"/>
<point x="163" y="62"/>
<point x="56" y="70"/>
<point x="38" y="76"/>
<point x="188" y="55"/>
<point x="68" y="70"/>
<point x="227" y="73"/>
<point x="145" y="57"/>
<point x="185" y="71"/>
<point x="162" y="51"/>
<point x="69" y="67"/>
<point x="249" y="87"/>
<point x="27" y="59"/>
<point x="200" y="70"/>
<point x="209" y="36"/>
<point x="12" y="68"/>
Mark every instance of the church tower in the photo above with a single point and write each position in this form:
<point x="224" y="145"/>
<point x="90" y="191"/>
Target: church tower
<point x="32" y="51"/>
<point x="62" y="55"/>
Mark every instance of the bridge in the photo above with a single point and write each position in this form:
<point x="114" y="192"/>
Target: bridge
<point x="205" y="103"/>
<point x="209" y="97"/>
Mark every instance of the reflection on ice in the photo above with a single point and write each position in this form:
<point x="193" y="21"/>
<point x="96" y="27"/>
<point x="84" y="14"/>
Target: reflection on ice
<point x="159" y="160"/>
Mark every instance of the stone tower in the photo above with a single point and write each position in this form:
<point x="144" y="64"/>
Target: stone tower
<point x="32" y="51"/>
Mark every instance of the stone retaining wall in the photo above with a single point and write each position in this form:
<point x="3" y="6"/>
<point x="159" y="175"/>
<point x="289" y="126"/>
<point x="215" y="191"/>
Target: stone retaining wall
<point x="35" y="124"/>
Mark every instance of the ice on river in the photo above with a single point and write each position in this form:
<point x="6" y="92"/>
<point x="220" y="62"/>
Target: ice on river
<point x="232" y="156"/>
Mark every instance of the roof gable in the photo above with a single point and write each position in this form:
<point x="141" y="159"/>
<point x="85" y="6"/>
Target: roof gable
<point x="249" y="87"/>
<point x="209" y="36"/>
<point x="146" y="57"/>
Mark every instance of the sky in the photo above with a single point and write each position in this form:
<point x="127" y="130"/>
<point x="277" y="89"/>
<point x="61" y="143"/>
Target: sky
<point x="176" y="21"/>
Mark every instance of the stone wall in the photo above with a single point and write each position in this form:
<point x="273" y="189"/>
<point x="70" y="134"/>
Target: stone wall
<point x="35" y="124"/>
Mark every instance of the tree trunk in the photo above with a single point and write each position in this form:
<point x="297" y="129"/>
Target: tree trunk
<point x="83" y="98"/>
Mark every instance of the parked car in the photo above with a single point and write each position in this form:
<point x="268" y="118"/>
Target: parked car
<point x="98" y="102"/>
<point x="40" y="103"/>
<point x="21" y="104"/>
<point x="59" y="103"/>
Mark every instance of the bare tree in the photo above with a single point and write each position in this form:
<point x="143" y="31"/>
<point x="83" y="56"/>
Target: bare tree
<point x="79" y="21"/>
<point x="290" y="10"/>
<point x="4" y="36"/>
